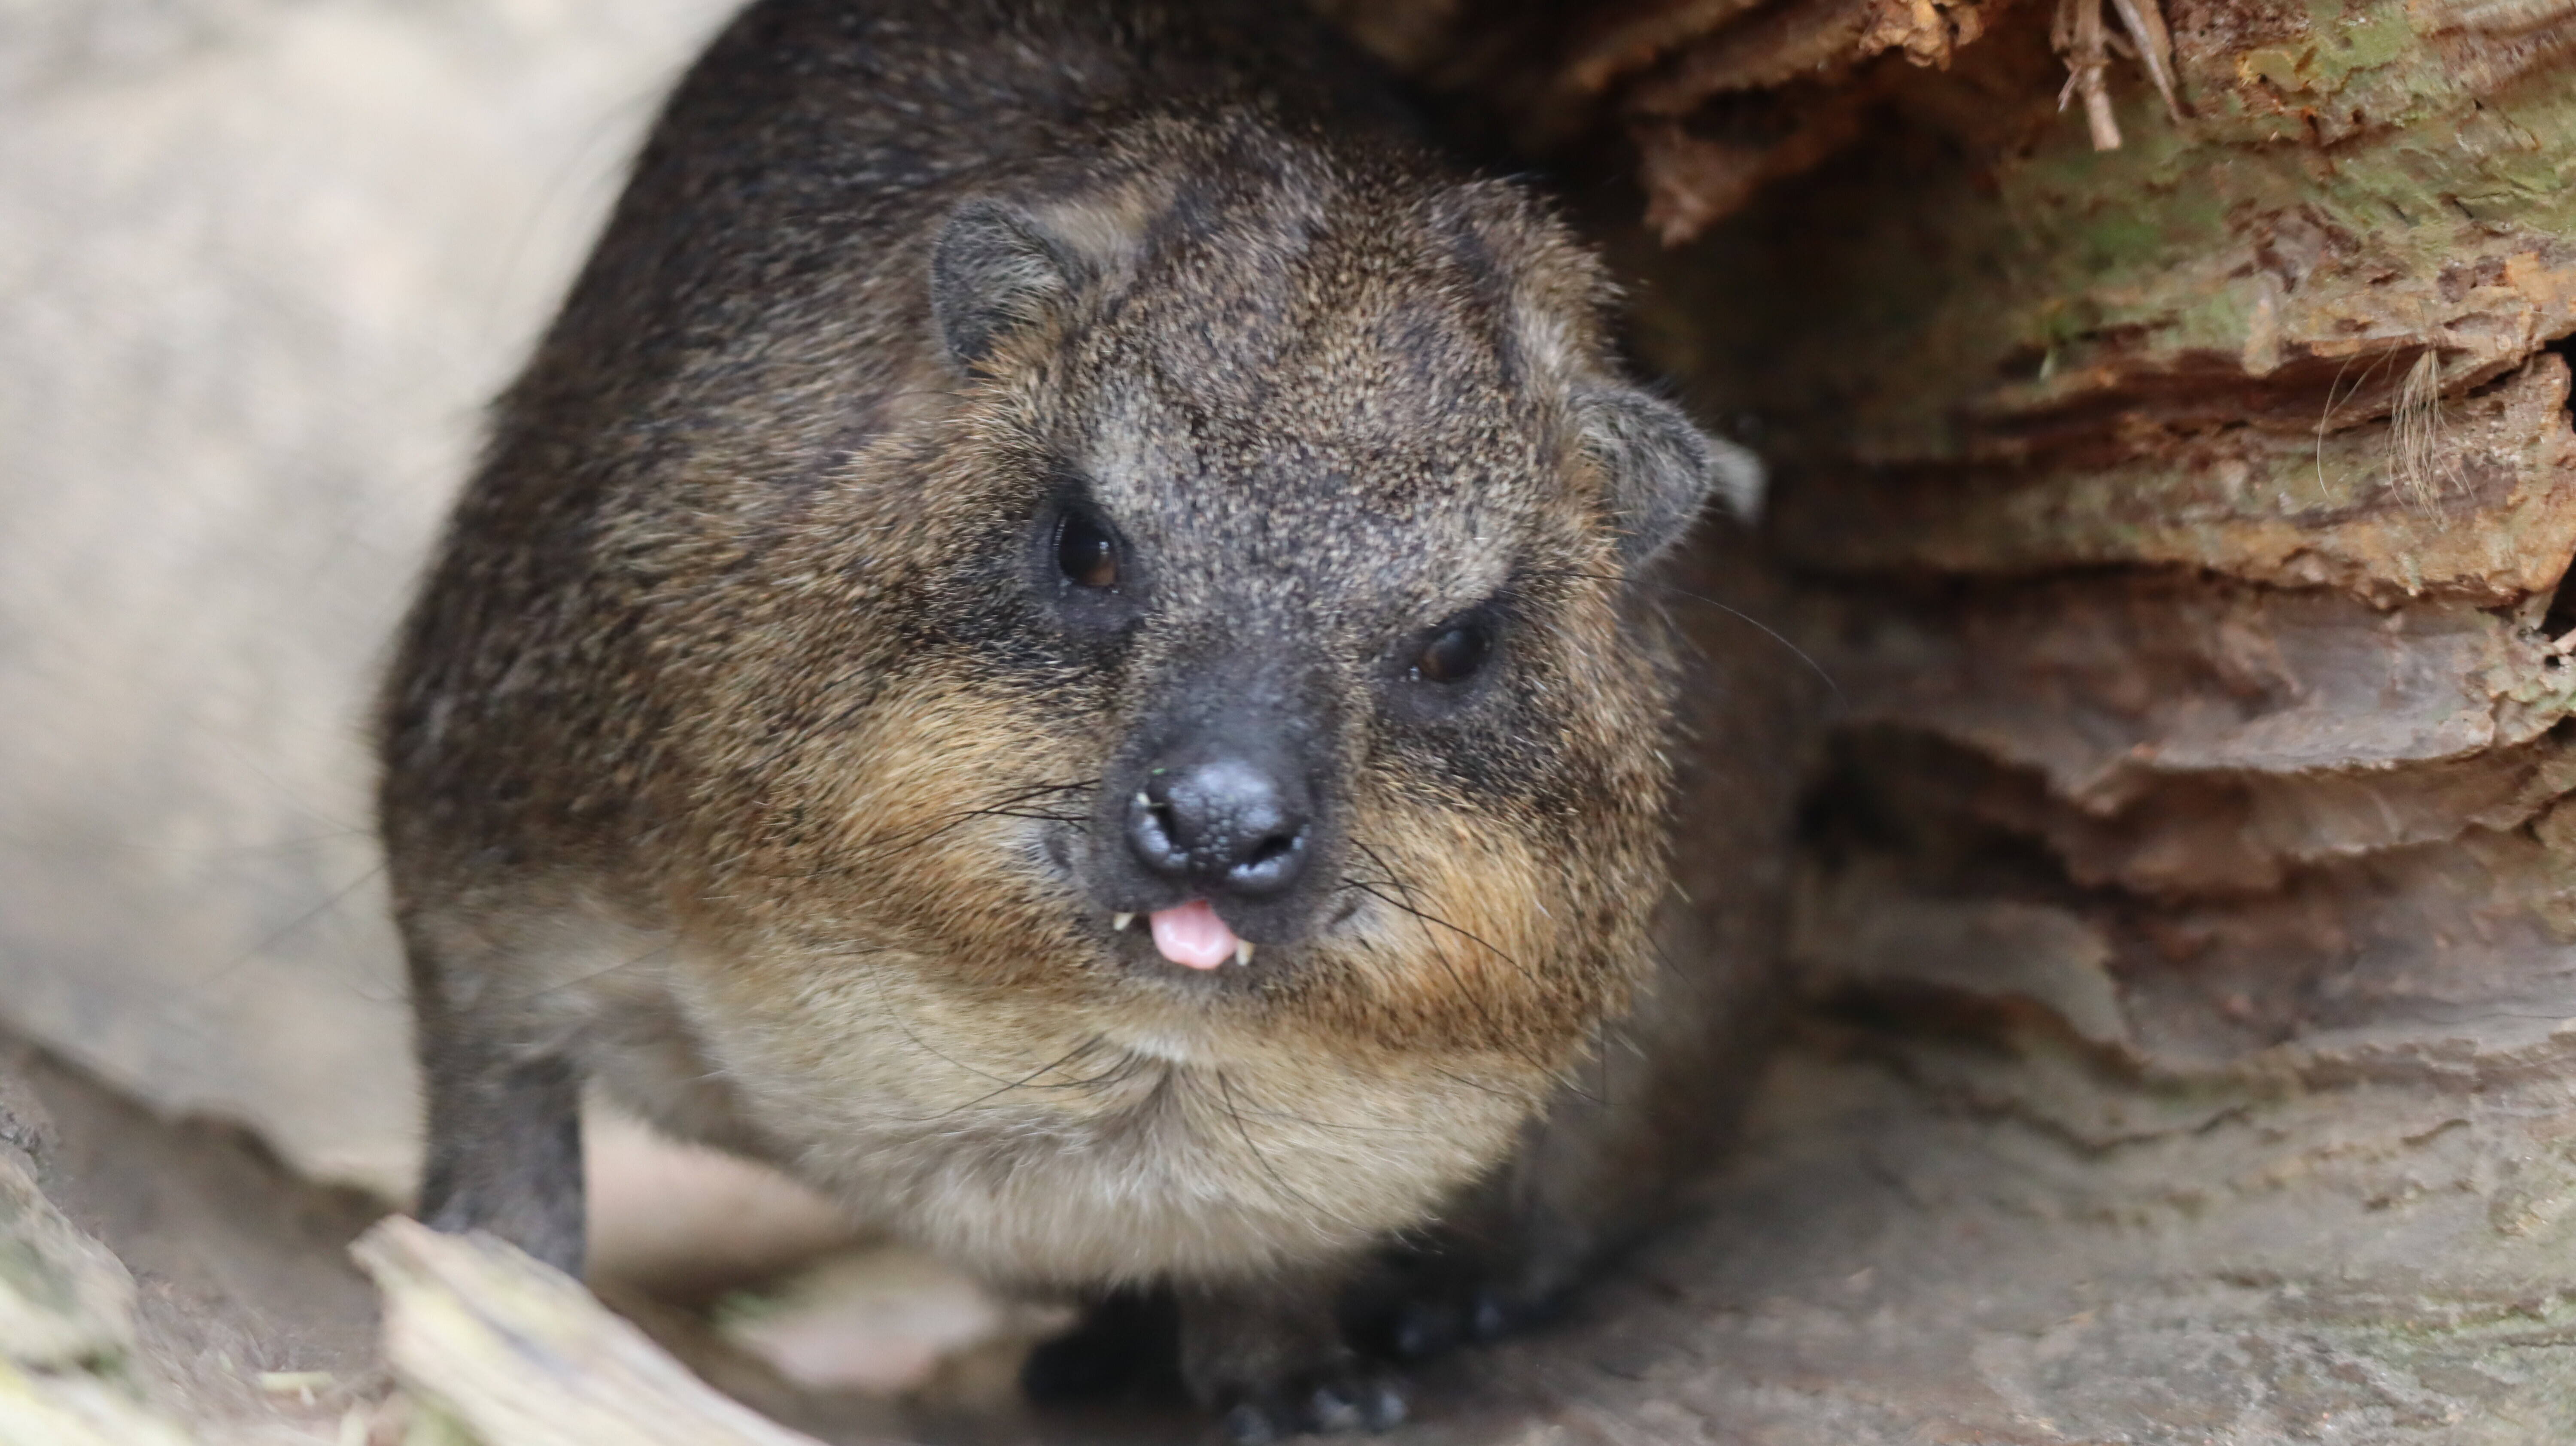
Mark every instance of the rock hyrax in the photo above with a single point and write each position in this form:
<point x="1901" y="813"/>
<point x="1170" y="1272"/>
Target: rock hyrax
<point x="1056" y="640"/>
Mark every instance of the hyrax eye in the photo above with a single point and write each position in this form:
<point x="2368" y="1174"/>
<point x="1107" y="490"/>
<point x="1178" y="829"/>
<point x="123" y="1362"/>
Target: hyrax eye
<point x="1454" y="653"/>
<point x="1087" y="554"/>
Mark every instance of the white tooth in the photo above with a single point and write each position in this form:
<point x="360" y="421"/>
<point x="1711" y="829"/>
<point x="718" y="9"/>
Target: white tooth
<point x="1118" y="923"/>
<point x="1242" y="951"/>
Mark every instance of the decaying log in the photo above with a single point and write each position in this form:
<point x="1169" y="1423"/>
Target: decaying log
<point x="2276" y="504"/>
<point x="2189" y="916"/>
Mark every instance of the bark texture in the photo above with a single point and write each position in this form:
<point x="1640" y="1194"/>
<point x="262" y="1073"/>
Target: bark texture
<point x="2189" y="914"/>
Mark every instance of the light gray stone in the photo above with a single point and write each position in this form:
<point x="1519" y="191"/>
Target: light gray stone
<point x="261" y="264"/>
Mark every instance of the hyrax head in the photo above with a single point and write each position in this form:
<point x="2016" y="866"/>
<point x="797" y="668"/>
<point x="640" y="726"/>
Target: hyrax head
<point x="1246" y="631"/>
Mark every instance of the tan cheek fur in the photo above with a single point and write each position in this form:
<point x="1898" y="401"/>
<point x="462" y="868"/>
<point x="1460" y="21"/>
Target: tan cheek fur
<point x="1464" y="941"/>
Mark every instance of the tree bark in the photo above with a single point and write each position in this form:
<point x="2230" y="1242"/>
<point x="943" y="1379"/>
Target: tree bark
<point x="2188" y="917"/>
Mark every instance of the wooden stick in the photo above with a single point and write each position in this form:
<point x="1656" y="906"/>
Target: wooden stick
<point x="2145" y="22"/>
<point x="2092" y="56"/>
<point x="521" y="1355"/>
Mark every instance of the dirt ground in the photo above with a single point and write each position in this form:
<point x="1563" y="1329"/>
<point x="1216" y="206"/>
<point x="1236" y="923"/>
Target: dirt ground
<point x="1891" y="1257"/>
<point x="241" y="1270"/>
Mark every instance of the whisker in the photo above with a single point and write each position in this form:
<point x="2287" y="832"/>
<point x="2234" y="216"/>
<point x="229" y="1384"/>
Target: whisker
<point x="888" y="845"/>
<point x="1406" y="904"/>
<point x="1125" y="1069"/>
<point x="1440" y="955"/>
<point x="889" y="1012"/>
<point x="1225" y="1094"/>
<point x="1477" y="1085"/>
<point x="1068" y="1057"/>
<point x="332" y="901"/>
<point x="1749" y="619"/>
<point x="595" y="974"/>
<point x="1373" y="892"/>
<point x="1407" y="1131"/>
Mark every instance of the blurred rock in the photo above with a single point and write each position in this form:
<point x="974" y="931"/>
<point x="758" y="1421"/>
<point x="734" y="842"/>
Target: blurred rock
<point x="876" y="1320"/>
<point x="684" y="1223"/>
<point x="261" y="263"/>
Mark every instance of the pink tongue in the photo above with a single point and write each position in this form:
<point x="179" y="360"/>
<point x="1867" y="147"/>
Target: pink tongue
<point x="1193" y="935"/>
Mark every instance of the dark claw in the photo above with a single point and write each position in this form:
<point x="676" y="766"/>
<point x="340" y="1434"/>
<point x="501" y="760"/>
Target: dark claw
<point x="1440" y="1311"/>
<point x="1425" y="1328"/>
<point x="1125" y="1346"/>
<point x="1338" y="1404"/>
<point x="1382" y="1406"/>
<point x="1249" y="1425"/>
<point x="1330" y="1410"/>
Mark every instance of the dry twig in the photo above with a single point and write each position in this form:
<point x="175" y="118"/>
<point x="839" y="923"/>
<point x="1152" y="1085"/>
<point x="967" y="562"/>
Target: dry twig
<point x="2077" y="34"/>
<point x="2082" y="41"/>
<point x="522" y="1355"/>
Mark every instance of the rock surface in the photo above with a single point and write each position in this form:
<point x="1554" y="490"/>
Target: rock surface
<point x="263" y="262"/>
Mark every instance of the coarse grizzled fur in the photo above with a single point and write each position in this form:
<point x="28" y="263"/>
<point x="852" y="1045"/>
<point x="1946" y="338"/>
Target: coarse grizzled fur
<point x="749" y="754"/>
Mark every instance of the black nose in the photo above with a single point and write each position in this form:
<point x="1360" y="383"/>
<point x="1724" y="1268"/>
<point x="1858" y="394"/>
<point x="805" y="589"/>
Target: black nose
<point x="1226" y="823"/>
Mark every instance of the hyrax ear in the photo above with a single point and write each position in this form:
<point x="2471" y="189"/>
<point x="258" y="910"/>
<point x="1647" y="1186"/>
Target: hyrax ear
<point x="998" y="267"/>
<point x="1661" y="469"/>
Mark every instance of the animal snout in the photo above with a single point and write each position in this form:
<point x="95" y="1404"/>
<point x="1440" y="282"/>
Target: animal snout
<point x="1228" y="823"/>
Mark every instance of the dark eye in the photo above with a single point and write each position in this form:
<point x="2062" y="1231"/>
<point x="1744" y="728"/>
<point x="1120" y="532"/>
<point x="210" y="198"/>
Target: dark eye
<point x="1087" y="554"/>
<point x="1454" y="653"/>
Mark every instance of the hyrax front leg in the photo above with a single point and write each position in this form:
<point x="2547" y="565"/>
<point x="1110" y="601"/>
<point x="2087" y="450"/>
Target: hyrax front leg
<point x="504" y="1137"/>
<point x="1650" y="1108"/>
<point x="1269" y="1356"/>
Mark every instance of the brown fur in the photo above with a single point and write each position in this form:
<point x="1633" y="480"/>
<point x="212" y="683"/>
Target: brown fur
<point x="737" y="758"/>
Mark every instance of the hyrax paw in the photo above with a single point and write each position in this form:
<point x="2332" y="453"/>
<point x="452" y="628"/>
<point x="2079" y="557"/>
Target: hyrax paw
<point x="1432" y="1324"/>
<point x="1428" y="1304"/>
<point x="1335" y="1400"/>
<point x="1126" y="1345"/>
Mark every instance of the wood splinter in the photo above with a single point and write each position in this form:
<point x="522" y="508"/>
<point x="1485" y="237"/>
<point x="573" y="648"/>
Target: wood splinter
<point x="2084" y="43"/>
<point x="519" y="1354"/>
